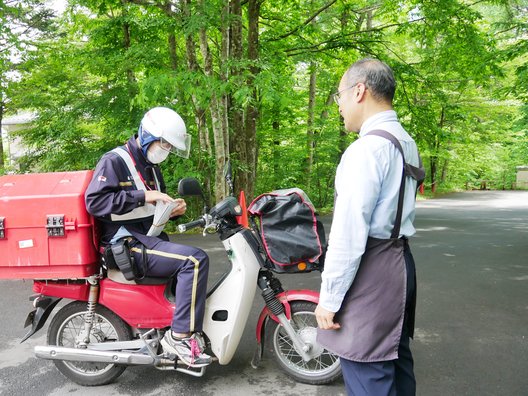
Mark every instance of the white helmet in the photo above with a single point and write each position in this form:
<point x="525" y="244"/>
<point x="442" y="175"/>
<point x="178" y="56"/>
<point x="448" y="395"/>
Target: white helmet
<point x="165" y="125"/>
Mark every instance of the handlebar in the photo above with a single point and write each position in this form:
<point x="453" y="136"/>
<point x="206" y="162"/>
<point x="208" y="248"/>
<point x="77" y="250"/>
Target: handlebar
<point x="193" y="224"/>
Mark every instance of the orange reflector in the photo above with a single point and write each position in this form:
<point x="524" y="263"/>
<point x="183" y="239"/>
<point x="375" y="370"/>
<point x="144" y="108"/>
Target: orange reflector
<point x="301" y="266"/>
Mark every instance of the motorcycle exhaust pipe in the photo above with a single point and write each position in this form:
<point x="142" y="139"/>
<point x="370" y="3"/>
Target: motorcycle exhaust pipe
<point x="54" y="352"/>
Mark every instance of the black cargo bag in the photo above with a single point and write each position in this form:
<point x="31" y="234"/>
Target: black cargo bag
<point x="293" y="237"/>
<point x="118" y="256"/>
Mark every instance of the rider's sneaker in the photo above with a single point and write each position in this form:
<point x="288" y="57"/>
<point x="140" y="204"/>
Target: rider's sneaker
<point x="189" y="350"/>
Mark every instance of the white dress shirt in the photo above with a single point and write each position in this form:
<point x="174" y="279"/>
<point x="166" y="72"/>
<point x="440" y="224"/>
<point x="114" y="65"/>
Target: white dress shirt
<point x="367" y="183"/>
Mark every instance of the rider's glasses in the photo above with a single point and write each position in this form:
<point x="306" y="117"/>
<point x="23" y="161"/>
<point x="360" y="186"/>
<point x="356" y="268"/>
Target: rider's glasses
<point x="182" y="151"/>
<point x="166" y="145"/>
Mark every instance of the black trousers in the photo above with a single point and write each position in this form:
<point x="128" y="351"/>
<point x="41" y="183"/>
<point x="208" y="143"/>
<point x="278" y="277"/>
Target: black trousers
<point x="190" y="266"/>
<point x="392" y="377"/>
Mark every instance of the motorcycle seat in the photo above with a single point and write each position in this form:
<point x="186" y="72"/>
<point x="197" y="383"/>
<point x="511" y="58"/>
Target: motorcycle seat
<point x="117" y="276"/>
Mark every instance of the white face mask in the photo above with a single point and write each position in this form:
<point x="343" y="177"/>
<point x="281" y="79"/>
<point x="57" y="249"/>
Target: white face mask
<point x="156" y="154"/>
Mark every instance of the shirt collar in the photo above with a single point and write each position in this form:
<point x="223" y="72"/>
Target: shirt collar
<point x="136" y="152"/>
<point x="378" y="118"/>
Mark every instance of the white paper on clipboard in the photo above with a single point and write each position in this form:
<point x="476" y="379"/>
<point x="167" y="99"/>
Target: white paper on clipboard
<point x="161" y="216"/>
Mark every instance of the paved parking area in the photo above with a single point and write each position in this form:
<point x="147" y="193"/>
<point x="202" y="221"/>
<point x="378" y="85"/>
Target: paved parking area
<point x="471" y="253"/>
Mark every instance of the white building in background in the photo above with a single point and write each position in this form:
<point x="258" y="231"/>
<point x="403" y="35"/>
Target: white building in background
<point x="522" y="177"/>
<point x="13" y="148"/>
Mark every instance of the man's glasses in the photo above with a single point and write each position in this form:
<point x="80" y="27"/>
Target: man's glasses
<point x="337" y="95"/>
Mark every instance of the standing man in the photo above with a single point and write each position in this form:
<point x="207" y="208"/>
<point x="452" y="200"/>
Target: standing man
<point x="126" y="185"/>
<point x="368" y="291"/>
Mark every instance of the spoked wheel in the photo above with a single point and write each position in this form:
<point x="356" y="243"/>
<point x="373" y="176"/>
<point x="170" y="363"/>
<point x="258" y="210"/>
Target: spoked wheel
<point x="107" y="326"/>
<point x="323" y="368"/>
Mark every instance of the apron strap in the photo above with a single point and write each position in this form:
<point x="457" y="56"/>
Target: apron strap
<point x="417" y="173"/>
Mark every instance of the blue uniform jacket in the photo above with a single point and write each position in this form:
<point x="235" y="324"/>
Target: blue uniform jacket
<point x="112" y="191"/>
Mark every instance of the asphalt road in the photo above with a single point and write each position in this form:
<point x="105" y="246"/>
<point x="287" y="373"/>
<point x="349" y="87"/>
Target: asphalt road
<point x="472" y="315"/>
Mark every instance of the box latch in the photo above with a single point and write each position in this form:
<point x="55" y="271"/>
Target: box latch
<point x="55" y="225"/>
<point x="2" y="227"/>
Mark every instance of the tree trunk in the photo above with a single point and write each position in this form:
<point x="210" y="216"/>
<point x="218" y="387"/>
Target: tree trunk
<point x="236" y="112"/>
<point x="369" y="19"/>
<point x="126" y="44"/>
<point x="252" y="111"/>
<point x="172" y="51"/>
<point x="224" y="98"/>
<point x="276" y="142"/>
<point x="200" y="116"/>
<point x="436" y="150"/>
<point x="444" y="171"/>
<point x="218" y="121"/>
<point x="433" y="161"/>
<point x="322" y="182"/>
<point x="223" y="102"/>
<point x="310" y="133"/>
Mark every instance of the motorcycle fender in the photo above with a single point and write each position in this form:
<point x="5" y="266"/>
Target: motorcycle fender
<point x="37" y="318"/>
<point x="285" y="298"/>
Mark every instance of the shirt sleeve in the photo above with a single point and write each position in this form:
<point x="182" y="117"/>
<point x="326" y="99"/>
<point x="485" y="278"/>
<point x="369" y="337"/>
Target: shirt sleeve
<point x="358" y="185"/>
<point x="105" y="195"/>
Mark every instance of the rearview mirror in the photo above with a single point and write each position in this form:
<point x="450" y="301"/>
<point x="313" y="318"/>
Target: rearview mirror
<point x="189" y="186"/>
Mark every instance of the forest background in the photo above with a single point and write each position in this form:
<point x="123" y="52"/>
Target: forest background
<point x="254" y="79"/>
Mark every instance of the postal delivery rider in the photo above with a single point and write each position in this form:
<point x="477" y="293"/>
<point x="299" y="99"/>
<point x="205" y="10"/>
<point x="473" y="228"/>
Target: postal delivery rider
<point x="125" y="187"/>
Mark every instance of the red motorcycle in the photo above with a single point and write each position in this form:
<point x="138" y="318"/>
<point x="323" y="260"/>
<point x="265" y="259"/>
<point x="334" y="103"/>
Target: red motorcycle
<point x="112" y="323"/>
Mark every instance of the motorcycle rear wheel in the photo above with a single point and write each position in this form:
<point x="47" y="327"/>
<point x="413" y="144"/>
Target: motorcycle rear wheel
<point x="107" y="326"/>
<point x="324" y="368"/>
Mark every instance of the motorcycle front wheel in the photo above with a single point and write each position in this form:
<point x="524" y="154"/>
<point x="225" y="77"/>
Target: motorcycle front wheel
<point x="323" y="368"/>
<point x="107" y="326"/>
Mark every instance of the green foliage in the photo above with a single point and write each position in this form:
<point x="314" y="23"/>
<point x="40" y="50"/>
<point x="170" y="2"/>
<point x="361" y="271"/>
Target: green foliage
<point x="23" y="23"/>
<point x="461" y="71"/>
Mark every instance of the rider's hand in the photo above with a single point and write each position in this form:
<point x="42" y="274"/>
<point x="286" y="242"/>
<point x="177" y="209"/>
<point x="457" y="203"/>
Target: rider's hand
<point x="180" y="208"/>
<point x="152" y="196"/>
<point x="325" y="319"/>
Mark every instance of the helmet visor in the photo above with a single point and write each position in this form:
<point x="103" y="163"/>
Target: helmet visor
<point x="182" y="151"/>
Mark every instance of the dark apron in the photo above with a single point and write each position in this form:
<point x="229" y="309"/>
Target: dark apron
<point x="373" y="310"/>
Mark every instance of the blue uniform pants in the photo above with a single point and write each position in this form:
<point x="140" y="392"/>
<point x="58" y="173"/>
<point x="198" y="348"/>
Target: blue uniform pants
<point x="392" y="377"/>
<point x="189" y="266"/>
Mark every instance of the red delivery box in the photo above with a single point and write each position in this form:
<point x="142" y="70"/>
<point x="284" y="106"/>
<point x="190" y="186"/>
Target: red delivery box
<point x="45" y="231"/>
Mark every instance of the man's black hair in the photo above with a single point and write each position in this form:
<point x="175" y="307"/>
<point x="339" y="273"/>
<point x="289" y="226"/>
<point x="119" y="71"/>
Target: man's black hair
<point x="377" y="77"/>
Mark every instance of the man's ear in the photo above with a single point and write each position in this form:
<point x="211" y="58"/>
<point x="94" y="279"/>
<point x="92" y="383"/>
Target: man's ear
<point x="361" y="92"/>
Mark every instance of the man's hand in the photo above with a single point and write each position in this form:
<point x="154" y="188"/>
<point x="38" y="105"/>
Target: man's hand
<point x="325" y="319"/>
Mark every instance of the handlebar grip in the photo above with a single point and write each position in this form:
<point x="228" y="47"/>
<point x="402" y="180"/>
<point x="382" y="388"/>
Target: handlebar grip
<point x="192" y="224"/>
